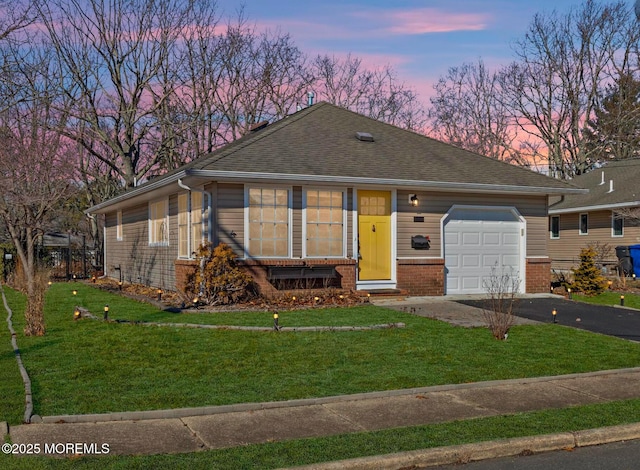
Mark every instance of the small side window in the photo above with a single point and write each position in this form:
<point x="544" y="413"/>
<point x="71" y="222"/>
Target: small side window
<point x="584" y="224"/>
<point x="554" y="228"/>
<point x="119" y="226"/>
<point x="617" y="225"/>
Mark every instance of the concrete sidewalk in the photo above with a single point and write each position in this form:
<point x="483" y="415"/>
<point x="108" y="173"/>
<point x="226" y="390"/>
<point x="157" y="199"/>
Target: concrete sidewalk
<point x="191" y="430"/>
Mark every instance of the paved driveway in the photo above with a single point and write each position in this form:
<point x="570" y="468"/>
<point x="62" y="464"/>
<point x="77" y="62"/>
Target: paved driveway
<point x="613" y="321"/>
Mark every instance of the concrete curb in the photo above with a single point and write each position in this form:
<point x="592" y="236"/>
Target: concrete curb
<point x="466" y="453"/>
<point x="212" y="410"/>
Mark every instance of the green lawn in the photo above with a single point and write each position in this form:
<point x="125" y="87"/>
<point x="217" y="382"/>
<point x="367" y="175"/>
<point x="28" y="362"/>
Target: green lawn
<point x="611" y="298"/>
<point x="91" y="366"/>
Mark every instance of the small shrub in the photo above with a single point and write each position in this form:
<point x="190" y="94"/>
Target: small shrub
<point x="588" y="278"/>
<point x="219" y="281"/>
<point x="498" y="310"/>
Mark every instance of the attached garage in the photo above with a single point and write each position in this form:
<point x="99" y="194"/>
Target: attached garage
<point x="479" y="241"/>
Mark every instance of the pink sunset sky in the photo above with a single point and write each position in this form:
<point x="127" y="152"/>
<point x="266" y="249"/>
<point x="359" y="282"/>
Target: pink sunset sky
<point x="419" y="39"/>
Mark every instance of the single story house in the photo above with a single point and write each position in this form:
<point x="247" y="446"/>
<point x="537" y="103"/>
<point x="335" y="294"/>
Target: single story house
<point x="607" y="217"/>
<point x="326" y="191"/>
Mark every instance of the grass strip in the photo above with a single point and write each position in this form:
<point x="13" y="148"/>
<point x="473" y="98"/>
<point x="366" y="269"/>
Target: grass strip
<point x="308" y="451"/>
<point x="611" y="298"/>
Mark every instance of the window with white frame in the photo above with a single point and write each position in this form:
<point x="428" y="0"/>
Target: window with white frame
<point x="119" y="226"/>
<point x="189" y="223"/>
<point x="268" y="219"/>
<point x="324" y="223"/>
<point x="584" y="224"/>
<point x="183" y="225"/>
<point x="196" y="220"/>
<point x="554" y="226"/>
<point x="617" y="225"/>
<point x="159" y="222"/>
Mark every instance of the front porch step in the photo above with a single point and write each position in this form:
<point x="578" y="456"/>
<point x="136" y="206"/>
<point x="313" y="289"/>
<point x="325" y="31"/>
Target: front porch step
<point x="385" y="292"/>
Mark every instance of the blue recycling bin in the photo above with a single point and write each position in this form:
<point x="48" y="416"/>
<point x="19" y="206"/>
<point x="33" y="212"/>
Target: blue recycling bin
<point x="634" y="251"/>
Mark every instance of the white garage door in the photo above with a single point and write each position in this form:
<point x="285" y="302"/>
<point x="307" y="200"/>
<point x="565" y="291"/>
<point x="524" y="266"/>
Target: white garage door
<point x="479" y="242"/>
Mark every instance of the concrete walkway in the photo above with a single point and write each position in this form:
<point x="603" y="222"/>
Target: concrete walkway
<point x="197" y="429"/>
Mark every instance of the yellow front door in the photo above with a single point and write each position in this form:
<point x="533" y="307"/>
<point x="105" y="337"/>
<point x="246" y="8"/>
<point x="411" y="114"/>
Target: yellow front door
<point x="374" y="235"/>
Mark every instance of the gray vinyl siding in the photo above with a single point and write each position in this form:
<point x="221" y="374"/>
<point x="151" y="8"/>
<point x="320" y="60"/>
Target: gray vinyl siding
<point x="229" y="216"/>
<point x="565" y="250"/>
<point x="139" y="262"/>
<point x="433" y="206"/>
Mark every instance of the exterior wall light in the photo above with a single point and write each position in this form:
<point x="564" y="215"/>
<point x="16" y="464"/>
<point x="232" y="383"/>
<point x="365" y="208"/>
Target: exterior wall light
<point x="413" y="200"/>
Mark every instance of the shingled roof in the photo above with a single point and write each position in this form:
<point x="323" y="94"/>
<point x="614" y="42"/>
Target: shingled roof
<point x="614" y="185"/>
<point x="326" y="143"/>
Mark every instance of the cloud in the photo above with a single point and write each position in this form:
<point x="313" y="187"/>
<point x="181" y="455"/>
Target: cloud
<point x="424" y="21"/>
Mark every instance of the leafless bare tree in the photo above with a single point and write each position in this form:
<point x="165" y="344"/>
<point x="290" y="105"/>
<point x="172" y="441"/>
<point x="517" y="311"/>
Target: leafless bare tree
<point x="115" y="57"/>
<point x="374" y="92"/>
<point x="34" y="161"/>
<point x="563" y="63"/>
<point x="468" y="111"/>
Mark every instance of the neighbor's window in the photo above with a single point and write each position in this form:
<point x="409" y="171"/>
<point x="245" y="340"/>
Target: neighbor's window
<point x="617" y="225"/>
<point x="555" y="226"/>
<point x="119" y="225"/>
<point x="584" y="224"/>
<point x="268" y="222"/>
<point x="159" y="222"/>
<point x="189" y="224"/>
<point x="324" y="223"/>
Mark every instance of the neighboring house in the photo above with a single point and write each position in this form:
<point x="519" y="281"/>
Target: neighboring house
<point x="597" y="218"/>
<point x="325" y="191"/>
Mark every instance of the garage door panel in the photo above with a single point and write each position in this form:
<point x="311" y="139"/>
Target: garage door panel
<point x="491" y="238"/>
<point x="479" y="243"/>
<point x="471" y="238"/>
<point x="471" y="283"/>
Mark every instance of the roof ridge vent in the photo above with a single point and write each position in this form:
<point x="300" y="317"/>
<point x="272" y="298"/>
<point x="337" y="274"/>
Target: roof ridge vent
<point x="364" y="137"/>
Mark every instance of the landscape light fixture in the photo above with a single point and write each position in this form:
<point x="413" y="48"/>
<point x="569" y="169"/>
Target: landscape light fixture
<point x="159" y="294"/>
<point x="554" y="313"/>
<point x="413" y="200"/>
<point x="75" y="292"/>
<point x="196" y="301"/>
<point x="569" y="292"/>
<point x="275" y="321"/>
<point x="76" y="314"/>
<point x="622" y="300"/>
<point x="106" y="312"/>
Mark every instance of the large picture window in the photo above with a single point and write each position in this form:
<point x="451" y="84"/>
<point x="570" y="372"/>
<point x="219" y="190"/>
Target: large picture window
<point x="324" y="223"/>
<point x="159" y="222"/>
<point x="268" y="222"/>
